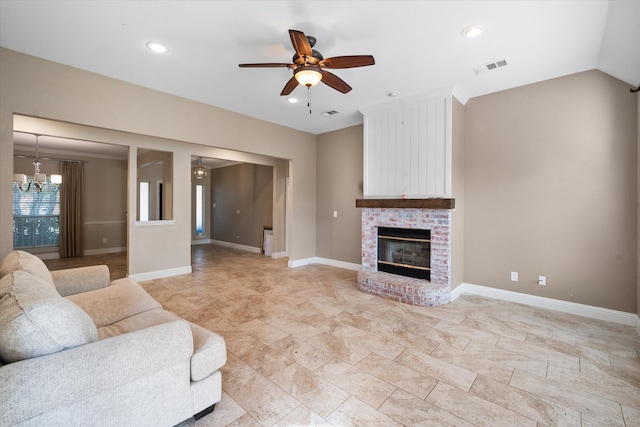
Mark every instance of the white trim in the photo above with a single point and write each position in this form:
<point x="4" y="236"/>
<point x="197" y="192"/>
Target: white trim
<point x="155" y="222"/>
<point x="339" y="264"/>
<point x="276" y="255"/>
<point x="101" y="251"/>
<point x="201" y="241"/>
<point x="237" y="246"/>
<point x="325" y="261"/>
<point x="301" y="262"/>
<point x="638" y="324"/>
<point x="159" y="274"/>
<point x="590" y="311"/>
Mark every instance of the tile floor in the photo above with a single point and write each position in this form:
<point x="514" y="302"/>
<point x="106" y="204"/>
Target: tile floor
<point x="306" y="348"/>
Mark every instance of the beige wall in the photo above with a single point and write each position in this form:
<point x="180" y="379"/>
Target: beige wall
<point x="150" y="119"/>
<point x="551" y="189"/>
<point x="457" y="192"/>
<point x="339" y="185"/>
<point x="245" y="188"/>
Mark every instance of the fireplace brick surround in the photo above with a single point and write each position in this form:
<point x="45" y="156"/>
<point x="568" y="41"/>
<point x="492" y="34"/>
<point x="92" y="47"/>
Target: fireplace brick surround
<point x="425" y="214"/>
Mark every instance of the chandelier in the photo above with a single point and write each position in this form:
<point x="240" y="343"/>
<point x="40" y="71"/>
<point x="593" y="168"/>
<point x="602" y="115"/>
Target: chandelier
<point x="39" y="179"/>
<point x="200" y="171"/>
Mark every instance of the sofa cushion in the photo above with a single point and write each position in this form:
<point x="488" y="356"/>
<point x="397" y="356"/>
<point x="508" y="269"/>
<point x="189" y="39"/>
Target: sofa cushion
<point x="122" y="299"/>
<point x="135" y="323"/>
<point x="21" y="260"/>
<point x="35" y="320"/>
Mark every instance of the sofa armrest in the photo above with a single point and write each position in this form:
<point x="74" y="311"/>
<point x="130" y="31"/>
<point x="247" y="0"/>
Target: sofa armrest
<point x="82" y="279"/>
<point x="35" y="386"/>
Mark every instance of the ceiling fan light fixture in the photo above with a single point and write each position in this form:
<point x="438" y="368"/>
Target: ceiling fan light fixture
<point x="308" y="76"/>
<point x="472" y="31"/>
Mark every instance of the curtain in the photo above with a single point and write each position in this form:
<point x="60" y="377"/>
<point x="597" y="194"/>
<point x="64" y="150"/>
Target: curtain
<point x="71" y="217"/>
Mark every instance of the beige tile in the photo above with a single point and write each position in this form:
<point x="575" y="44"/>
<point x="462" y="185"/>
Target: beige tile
<point x="339" y="347"/>
<point x="631" y="416"/>
<point x="609" y="383"/>
<point x="262" y="332"/>
<point x="467" y="331"/>
<point x="439" y="369"/>
<point x="259" y="356"/>
<point x="303" y="416"/>
<point x="408" y="410"/>
<point x="357" y="413"/>
<point x="226" y="412"/>
<point x="538" y="351"/>
<point x="474" y="363"/>
<point x="245" y="421"/>
<point x="607" y="411"/>
<point x="302" y="353"/>
<point x="513" y="359"/>
<point x="399" y="375"/>
<point x="261" y="398"/>
<point x="474" y="409"/>
<point x="525" y="403"/>
<point x="364" y="386"/>
<point x="318" y="394"/>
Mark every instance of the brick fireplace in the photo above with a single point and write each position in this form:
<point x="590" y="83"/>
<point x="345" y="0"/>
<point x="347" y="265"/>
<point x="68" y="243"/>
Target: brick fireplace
<point x="418" y="214"/>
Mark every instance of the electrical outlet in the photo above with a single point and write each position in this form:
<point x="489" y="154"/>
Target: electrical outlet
<point x="542" y="280"/>
<point x="104" y="240"/>
<point x="335" y="214"/>
<point x="514" y="276"/>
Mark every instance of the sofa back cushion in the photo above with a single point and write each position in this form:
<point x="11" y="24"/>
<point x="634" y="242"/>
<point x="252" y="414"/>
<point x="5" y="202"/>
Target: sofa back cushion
<point x="21" y="260"/>
<point x="35" y="320"/>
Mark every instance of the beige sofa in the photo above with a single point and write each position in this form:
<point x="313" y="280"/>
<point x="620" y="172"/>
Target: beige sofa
<point x="77" y="349"/>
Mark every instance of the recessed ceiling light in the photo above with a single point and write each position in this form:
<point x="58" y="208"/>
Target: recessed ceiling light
<point x="392" y="94"/>
<point x="471" y="32"/>
<point x="292" y="100"/>
<point x="157" y="47"/>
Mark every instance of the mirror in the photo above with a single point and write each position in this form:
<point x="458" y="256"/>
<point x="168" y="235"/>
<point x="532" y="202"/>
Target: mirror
<point x="155" y="185"/>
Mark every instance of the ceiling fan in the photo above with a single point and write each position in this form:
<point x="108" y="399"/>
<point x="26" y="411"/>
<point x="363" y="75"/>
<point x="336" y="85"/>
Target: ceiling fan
<point x="309" y="65"/>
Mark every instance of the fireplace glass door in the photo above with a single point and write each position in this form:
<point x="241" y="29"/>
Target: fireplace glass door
<point x="406" y="252"/>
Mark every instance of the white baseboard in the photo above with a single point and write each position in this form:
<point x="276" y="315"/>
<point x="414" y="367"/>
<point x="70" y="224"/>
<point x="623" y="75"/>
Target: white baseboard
<point x="201" y="241"/>
<point x="592" y="312"/>
<point x="325" y="261"/>
<point x="339" y="264"/>
<point x="237" y="246"/>
<point x="105" y="251"/>
<point x="276" y="255"/>
<point x="159" y="274"/>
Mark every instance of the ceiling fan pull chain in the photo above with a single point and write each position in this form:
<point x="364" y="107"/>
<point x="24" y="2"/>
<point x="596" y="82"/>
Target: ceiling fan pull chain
<point x="309" y="98"/>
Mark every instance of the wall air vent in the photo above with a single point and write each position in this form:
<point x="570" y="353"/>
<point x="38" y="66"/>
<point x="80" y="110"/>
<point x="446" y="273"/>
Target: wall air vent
<point x="491" y="66"/>
<point x="330" y="113"/>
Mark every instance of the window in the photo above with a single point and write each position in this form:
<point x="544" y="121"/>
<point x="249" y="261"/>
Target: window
<point x="145" y="201"/>
<point x="199" y="209"/>
<point x="36" y="216"/>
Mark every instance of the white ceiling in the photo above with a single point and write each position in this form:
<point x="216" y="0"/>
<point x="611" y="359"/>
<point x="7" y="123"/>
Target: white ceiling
<point x="417" y="46"/>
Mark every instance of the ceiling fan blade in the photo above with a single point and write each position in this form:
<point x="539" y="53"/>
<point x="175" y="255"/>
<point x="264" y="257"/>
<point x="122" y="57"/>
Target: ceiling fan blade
<point x="264" y="65"/>
<point x="289" y="87"/>
<point x="347" y="61"/>
<point x="300" y="43"/>
<point x="335" y="82"/>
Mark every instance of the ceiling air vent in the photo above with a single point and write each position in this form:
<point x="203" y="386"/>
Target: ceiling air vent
<point x="330" y="113"/>
<point x="491" y="66"/>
